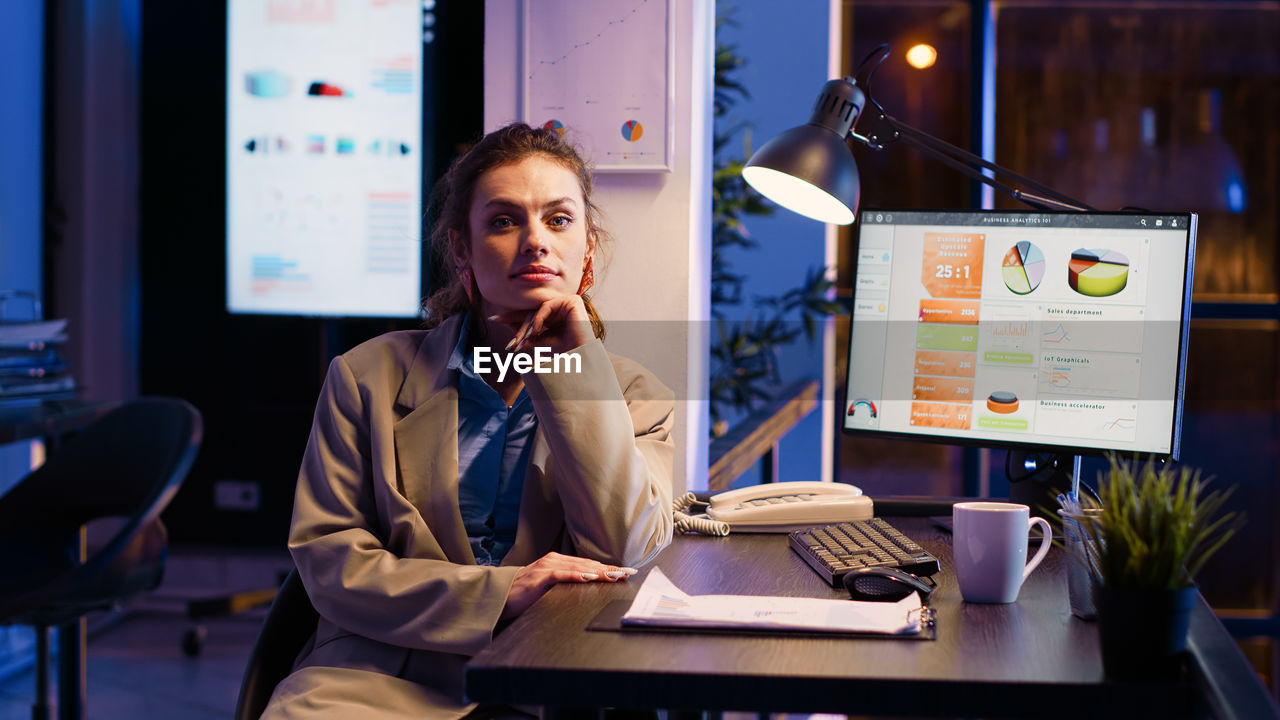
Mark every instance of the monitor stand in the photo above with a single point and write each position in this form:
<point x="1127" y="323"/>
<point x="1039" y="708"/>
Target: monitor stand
<point x="1037" y="479"/>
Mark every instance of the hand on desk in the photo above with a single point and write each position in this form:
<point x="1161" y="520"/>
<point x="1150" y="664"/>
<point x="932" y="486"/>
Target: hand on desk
<point x="535" y="579"/>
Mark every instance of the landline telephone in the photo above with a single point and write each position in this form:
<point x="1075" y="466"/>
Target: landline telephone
<point x="786" y="506"/>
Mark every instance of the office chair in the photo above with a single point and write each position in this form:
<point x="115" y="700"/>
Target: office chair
<point x="290" y="622"/>
<point x="117" y="475"/>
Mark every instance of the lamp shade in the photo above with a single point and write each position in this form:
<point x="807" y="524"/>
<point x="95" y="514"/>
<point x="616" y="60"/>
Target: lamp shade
<point x="809" y="169"/>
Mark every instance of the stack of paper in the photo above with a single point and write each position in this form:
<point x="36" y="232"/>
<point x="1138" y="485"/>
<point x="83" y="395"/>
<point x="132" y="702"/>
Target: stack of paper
<point x="32" y="369"/>
<point x="660" y="603"/>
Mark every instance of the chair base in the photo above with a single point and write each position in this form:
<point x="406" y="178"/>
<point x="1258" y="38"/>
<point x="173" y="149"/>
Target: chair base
<point x="223" y="606"/>
<point x="40" y="708"/>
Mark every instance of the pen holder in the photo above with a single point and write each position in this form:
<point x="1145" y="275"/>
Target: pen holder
<point x="1078" y="580"/>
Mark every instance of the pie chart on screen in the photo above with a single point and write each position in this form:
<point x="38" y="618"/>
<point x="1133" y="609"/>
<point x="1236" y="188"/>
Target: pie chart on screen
<point x="1023" y="268"/>
<point x="1098" y="273"/>
<point x="632" y="130"/>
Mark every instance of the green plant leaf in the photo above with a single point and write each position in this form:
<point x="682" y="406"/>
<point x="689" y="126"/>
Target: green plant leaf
<point x="1155" y="527"/>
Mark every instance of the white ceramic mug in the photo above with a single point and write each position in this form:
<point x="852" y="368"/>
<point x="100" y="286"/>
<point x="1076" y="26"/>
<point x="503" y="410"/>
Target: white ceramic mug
<point x="990" y="542"/>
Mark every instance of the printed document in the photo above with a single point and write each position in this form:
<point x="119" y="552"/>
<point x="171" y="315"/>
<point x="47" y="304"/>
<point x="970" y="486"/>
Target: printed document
<point x="660" y="603"/>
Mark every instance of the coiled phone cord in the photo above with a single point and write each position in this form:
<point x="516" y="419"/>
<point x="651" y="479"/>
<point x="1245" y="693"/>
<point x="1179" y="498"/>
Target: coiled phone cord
<point x="702" y="525"/>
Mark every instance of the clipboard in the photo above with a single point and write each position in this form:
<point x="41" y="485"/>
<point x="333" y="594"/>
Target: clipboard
<point x="610" y="620"/>
<point x="659" y="603"/>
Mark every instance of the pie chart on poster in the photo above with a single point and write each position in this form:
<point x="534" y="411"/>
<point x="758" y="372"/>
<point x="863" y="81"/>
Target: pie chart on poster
<point x="1098" y="273"/>
<point x="1023" y="268"/>
<point x="632" y="130"/>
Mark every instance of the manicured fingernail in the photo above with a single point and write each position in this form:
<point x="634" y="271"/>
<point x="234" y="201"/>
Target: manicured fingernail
<point x="615" y="574"/>
<point x="589" y="576"/>
<point x="629" y="570"/>
<point x="515" y="341"/>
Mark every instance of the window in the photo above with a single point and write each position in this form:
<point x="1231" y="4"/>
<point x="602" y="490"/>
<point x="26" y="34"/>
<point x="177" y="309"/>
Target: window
<point x="1174" y="106"/>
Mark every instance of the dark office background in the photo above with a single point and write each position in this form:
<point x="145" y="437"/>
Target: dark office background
<point x="254" y="377"/>
<point x="1173" y="106"/>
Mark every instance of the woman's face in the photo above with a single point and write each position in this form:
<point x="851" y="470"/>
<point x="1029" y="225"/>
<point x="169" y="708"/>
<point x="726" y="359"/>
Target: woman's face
<point x="529" y="239"/>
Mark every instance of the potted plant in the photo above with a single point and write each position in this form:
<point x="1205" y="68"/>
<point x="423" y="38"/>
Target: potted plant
<point x="1144" y="543"/>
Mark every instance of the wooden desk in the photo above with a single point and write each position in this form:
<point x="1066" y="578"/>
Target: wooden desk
<point x="49" y="421"/>
<point x="1028" y="659"/>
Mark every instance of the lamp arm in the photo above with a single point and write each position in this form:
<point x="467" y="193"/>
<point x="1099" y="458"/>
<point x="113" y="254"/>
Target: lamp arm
<point x="966" y="163"/>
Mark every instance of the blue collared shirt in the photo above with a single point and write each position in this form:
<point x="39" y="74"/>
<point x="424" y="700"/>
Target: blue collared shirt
<point x="493" y="456"/>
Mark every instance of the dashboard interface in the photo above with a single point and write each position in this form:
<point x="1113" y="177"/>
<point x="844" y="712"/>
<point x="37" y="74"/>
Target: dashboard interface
<point x="1007" y="328"/>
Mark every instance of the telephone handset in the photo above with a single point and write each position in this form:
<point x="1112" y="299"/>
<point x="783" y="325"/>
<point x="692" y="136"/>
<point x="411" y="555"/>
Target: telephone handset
<point x="786" y="506"/>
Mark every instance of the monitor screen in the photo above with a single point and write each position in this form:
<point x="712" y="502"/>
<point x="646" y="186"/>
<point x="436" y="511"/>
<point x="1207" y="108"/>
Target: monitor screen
<point x="1064" y="332"/>
<point x="325" y="157"/>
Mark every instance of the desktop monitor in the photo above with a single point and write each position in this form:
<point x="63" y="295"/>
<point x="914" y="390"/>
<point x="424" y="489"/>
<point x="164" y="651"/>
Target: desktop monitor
<point x="1061" y="333"/>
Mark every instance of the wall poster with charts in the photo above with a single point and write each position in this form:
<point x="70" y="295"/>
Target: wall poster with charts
<point x="602" y="72"/>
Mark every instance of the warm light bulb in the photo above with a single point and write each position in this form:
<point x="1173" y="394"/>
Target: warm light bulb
<point x="798" y="196"/>
<point x="922" y="56"/>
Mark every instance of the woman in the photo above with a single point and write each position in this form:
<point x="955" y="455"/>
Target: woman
<point x="439" y="496"/>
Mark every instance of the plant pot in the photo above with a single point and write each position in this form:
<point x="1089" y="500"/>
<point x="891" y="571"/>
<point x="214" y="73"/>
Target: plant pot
<point x="1143" y="633"/>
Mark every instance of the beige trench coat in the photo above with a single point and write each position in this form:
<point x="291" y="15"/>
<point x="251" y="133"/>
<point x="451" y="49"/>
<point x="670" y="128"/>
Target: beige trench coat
<point x="377" y="534"/>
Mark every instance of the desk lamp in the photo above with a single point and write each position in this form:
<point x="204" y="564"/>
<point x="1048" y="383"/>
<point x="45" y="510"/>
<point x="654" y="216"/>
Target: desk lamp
<point x="810" y="170"/>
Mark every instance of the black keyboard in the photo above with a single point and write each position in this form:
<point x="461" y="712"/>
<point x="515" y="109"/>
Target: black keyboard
<point x="833" y="550"/>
